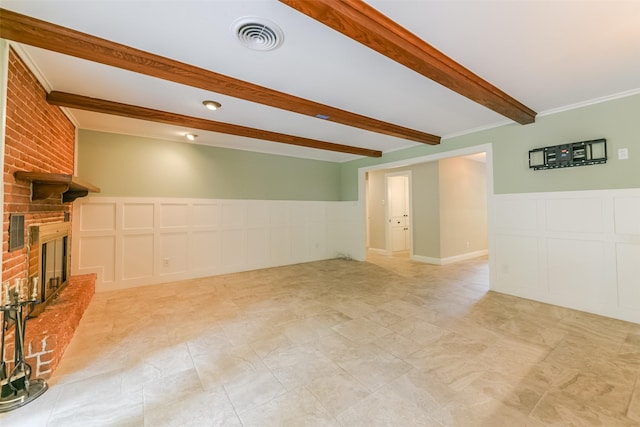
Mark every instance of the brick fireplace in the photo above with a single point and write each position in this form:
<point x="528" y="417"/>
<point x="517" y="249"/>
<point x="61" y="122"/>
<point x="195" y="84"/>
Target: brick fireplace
<point x="39" y="138"/>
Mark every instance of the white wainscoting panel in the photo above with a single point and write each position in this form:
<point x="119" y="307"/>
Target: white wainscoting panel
<point x="576" y="271"/>
<point x="174" y="248"/>
<point x="575" y="214"/>
<point x="234" y="214"/>
<point x="628" y="257"/>
<point x="137" y="256"/>
<point x="258" y="247"/>
<point x="627" y="215"/>
<point x="97" y="217"/>
<point x="575" y="249"/>
<point x="519" y="214"/>
<point x="140" y="241"/>
<point x="345" y="224"/>
<point x="279" y="245"/>
<point x="96" y="254"/>
<point x="519" y="264"/>
<point x="174" y="215"/>
<point x="204" y="250"/>
<point x="257" y="214"/>
<point x="234" y="248"/>
<point x="137" y="216"/>
<point x="206" y="215"/>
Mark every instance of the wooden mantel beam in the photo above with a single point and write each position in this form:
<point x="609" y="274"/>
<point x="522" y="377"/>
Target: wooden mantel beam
<point x="80" y="102"/>
<point x="34" y="32"/>
<point x="364" y="24"/>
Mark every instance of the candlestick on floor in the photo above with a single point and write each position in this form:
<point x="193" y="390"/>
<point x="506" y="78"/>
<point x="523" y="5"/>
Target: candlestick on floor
<point x="17" y="389"/>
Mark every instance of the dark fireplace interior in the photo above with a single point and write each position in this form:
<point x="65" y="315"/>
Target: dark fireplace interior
<point x="48" y="259"/>
<point x="54" y="266"/>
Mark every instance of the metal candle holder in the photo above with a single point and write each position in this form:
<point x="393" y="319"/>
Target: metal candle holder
<point x="17" y="388"/>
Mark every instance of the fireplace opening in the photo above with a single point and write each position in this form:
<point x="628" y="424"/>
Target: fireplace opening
<point x="54" y="266"/>
<point x="49" y="260"/>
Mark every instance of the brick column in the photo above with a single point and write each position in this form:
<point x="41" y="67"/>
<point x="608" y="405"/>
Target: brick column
<point x="40" y="138"/>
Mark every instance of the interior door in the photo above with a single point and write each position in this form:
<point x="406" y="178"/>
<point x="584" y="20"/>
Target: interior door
<point x="398" y="212"/>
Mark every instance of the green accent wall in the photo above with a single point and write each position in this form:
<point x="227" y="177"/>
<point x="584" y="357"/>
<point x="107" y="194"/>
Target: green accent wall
<point x="425" y="203"/>
<point x="463" y="207"/>
<point x="616" y="120"/>
<point x="130" y="166"/>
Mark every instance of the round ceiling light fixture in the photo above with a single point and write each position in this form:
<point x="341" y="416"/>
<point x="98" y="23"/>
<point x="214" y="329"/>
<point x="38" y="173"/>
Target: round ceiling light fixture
<point x="191" y="136"/>
<point x="212" y="105"/>
<point x="257" y="33"/>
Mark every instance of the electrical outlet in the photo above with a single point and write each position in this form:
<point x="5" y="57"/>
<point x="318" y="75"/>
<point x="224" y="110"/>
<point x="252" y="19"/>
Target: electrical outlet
<point x="165" y="262"/>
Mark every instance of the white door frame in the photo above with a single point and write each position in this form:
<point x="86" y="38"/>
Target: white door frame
<point x="361" y="253"/>
<point x="387" y="224"/>
<point x="367" y="201"/>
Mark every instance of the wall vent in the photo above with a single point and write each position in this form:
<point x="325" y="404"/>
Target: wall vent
<point x="16" y="232"/>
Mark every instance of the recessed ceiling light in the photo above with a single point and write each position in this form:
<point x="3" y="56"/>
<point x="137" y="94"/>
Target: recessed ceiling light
<point x="212" y="105"/>
<point x="191" y="136"/>
<point x="257" y="33"/>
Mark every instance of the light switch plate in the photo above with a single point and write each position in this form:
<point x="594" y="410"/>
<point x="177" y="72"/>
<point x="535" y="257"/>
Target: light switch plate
<point x="623" y="153"/>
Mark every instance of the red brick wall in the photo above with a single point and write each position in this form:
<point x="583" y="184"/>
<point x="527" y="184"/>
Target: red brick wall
<point x="40" y="138"/>
<point x="48" y="335"/>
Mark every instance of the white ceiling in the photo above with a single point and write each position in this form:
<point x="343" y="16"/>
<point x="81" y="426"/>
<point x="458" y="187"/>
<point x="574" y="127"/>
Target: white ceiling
<point x="546" y="54"/>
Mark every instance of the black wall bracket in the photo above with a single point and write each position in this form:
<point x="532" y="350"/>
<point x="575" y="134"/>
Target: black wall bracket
<point x="582" y="153"/>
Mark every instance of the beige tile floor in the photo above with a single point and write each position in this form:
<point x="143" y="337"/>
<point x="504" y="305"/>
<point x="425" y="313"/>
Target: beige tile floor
<point x="388" y="342"/>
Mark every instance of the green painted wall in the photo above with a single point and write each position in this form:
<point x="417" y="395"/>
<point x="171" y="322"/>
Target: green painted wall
<point x="463" y="207"/>
<point x="616" y="120"/>
<point x="377" y="210"/>
<point x="425" y="200"/>
<point x="129" y="166"/>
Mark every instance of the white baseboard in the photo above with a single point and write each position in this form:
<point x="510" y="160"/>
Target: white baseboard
<point x="426" y="259"/>
<point x="378" y="251"/>
<point x="450" y="260"/>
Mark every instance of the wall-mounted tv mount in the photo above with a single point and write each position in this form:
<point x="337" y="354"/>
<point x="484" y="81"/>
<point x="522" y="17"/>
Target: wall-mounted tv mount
<point x="568" y="155"/>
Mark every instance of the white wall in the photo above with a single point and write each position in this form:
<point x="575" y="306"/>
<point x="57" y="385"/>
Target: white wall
<point x="139" y="241"/>
<point x="575" y="249"/>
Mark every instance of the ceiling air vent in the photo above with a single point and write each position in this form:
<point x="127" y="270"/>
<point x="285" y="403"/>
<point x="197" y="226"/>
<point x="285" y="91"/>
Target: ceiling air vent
<point x="258" y="33"/>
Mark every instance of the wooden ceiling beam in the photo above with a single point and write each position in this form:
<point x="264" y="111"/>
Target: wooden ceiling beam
<point x="96" y="105"/>
<point x="34" y="32"/>
<point x="364" y="24"/>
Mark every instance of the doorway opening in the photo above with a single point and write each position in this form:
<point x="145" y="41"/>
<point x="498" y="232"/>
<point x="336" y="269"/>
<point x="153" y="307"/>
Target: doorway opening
<point x="448" y="210"/>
